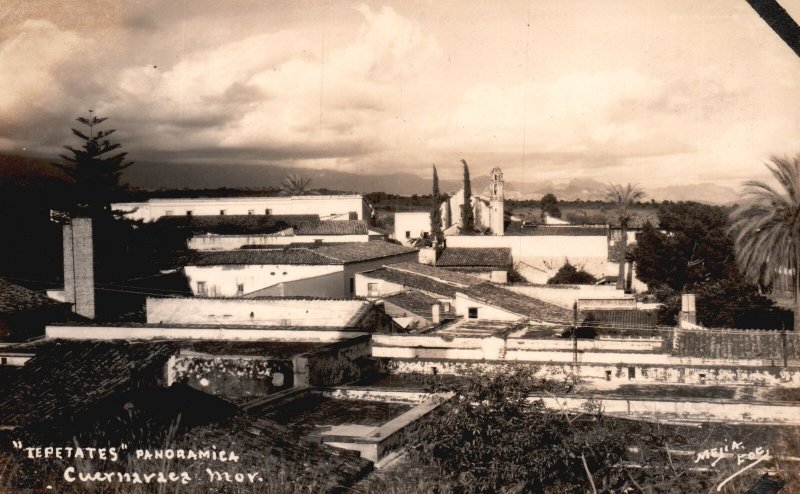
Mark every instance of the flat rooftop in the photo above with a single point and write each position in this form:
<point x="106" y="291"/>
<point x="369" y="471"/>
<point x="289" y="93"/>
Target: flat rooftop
<point x="314" y="414"/>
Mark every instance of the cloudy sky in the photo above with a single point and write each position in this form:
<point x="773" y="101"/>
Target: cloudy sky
<point x="656" y="92"/>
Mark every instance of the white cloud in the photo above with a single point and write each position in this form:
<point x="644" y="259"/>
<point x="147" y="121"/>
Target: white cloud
<point x="33" y="57"/>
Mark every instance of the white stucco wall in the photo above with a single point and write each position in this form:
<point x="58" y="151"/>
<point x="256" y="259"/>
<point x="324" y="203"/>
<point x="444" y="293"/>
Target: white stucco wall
<point x="327" y="285"/>
<point x="198" y="333"/>
<point x="327" y="207"/>
<point x="480" y="209"/>
<point x="411" y="225"/>
<point x="382" y="288"/>
<point x="281" y="312"/>
<point x="352" y="269"/>
<point x="523" y="247"/>
<point x="223" y="281"/>
<point x="566" y="295"/>
<point x="485" y="312"/>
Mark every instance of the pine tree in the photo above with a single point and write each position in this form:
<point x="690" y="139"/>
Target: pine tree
<point x="436" y="211"/>
<point x="93" y="169"/>
<point x="467" y="215"/>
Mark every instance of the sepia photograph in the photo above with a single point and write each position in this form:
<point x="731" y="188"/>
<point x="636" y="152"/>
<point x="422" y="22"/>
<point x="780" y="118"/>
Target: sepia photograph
<point x="400" y="246"/>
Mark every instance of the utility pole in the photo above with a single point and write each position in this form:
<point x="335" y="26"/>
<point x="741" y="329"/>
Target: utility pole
<point x="575" y="333"/>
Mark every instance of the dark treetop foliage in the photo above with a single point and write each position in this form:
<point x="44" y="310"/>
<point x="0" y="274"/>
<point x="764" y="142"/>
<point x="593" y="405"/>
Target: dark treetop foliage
<point x="570" y="275"/>
<point x="491" y="437"/>
<point x="467" y="215"/>
<point x="94" y="167"/>
<point x="549" y="205"/>
<point x="696" y="254"/>
<point x="436" y="215"/>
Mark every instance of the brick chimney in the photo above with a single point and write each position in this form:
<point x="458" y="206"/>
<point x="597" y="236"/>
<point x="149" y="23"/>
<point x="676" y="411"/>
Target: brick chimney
<point x="79" y="266"/>
<point x="688" y="312"/>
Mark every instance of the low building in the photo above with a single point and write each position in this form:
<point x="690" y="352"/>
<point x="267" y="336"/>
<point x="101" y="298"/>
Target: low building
<point x="24" y="312"/>
<point x="491" y="264"/>
<point x="287" y="312"/>
<point x="339" y="207"/>
<point x="539" y="251"/>
<point x="324" y="270"/>
<point x="411" y="226"/>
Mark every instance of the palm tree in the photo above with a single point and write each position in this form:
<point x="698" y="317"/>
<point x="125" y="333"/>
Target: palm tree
<point x="767" y="228"/>
<point x="295" y="185"/>
<point x="622" y="196"/>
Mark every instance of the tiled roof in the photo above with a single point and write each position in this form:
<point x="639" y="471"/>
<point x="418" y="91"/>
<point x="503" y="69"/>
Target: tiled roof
<point x="519" y="228"/>
<point x="425" y="278"/>
<point x="414" y="302"/>
<point x="261" y="257"/>
<point x="428" y="271"/>
<point x="322" y="254"/>
<point x="237" y="224"/>
<point x="620" y="318"/>
<point x="517" y="303"/>
<point x="332" y="227"/>
<point x="362" y="251"/>
<point x="413" y="281"/>
<point x="15" y="298"/>
<point x="66" y="377"/>
<point x="249" y="348"/>
<point x="496" y="257"/>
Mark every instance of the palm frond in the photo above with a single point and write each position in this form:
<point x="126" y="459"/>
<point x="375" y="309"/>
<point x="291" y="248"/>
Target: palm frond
<point x="766" y="226"/>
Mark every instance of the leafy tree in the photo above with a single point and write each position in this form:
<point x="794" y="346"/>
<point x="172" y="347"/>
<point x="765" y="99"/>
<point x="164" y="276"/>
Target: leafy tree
<point x="467" y="215"/>
<point x="295" y="185"/>
<point x="93" y="167"/>
<point x="732" y="302"/>
<point x="436" y="213"/>
<point x="697" y="254"/>
<point x="767" y="228"/>
<point x="570" y="275"/>
<point x="491" y="438"/>
<point x="697" y="247"/>
<point x="549" y="205"/>
<point x="622" y="197"/>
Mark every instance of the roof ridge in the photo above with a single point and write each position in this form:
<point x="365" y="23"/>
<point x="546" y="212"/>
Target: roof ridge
<point x="440" y="280"/>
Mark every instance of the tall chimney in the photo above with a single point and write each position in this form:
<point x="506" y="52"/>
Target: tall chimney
<point x="436" y="310"/>
<point x="688" y="311"/>
<point x="79" y="266"/>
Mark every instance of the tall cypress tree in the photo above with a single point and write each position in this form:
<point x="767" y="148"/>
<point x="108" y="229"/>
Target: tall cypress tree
<point x="436" y="214"/>
<point x="467" y="215"/>
<point x="93" y="168"/>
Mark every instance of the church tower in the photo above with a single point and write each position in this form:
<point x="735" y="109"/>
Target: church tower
<point x="496" y="225"/>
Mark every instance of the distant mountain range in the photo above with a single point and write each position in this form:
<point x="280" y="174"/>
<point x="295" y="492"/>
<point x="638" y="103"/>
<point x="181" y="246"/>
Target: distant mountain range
<point x="154" y="176"/>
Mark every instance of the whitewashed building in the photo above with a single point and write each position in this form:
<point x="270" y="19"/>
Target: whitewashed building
<point x="319" y="271"/>
<point x="338" y="207"/>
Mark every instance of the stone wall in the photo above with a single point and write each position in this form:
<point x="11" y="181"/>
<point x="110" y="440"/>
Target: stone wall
<point x="232" y="377"/>
<point x="335" y="364"/>
<point x="612" y="372"/>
